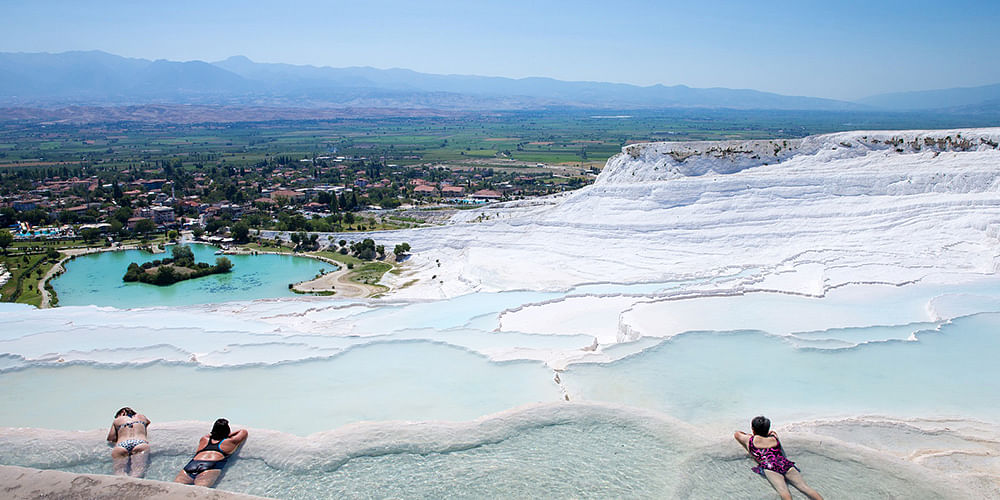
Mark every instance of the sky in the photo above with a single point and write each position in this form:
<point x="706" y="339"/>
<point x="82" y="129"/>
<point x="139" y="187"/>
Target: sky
<point x="836" y="49"/>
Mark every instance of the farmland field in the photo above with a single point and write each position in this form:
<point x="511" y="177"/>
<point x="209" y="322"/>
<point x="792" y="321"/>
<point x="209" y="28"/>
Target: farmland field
<point x="571" y="139"/>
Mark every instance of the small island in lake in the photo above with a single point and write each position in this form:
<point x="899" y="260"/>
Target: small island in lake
<point x="181" y="266"/>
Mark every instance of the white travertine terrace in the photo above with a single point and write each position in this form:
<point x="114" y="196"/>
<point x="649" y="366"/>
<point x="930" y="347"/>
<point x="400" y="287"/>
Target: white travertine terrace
<point x="851" y="207"/>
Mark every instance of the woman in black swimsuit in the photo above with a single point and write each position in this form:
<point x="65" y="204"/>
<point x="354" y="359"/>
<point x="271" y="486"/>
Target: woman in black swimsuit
<point x="213" y="452"/>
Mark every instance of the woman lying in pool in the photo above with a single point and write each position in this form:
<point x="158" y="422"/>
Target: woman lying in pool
<point x="764" y="447"/>
<point x="213" y="452"/>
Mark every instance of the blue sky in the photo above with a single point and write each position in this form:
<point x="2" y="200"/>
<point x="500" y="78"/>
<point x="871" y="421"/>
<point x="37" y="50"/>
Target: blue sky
<point x="845" y="49"/>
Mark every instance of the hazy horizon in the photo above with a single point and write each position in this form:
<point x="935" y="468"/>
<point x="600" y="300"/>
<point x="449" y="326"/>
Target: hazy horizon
<point x="845" y="51"/>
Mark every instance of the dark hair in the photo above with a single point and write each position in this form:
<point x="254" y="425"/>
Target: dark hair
<point x="128" y="412"/>
<point x="760" y="425"/>
<point x="221" y="429"/>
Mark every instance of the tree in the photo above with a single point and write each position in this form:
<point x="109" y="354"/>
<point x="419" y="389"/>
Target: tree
<point x="172" y="234"/>
<point x="216" y="225"/>
<point x="6" y="239"/>
<point x="52" y="254"/>
<point x="90" y="234"/>
<point x="133" y="272"/>
<point x="198" y="231"/>
<point x="298" y="223"/>
<point x="241" y="232"/>
<point x="304" y="241"/>
<point x="122" y="215"/>
<point x="401" y="249"/>
<point x="145" y="226"/>
<point x="183" y="256"/>
<point x="365" y="250"/>
<point x="223" y="264"/>
<point x="35" y="217"/>
<point x="8" y="216"/>
<point x="164" y="276"/>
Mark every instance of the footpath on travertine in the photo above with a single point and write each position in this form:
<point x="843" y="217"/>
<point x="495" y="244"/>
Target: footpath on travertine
<point x="337" y="281"/>
<point x="17" y="483"/>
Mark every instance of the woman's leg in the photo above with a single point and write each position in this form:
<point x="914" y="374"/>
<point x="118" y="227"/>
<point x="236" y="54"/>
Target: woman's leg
<point x="140" y="460"/>
<point x="183" y="478"/>
<point x="207" y="478"/>
<point x="119" y="460"/>
<point x="794" y="478"/>
<point x="778" y="482"/>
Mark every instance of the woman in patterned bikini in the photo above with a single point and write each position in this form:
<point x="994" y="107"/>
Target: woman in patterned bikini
<point x="764" y="447"/>
<point x="128" y="433"/>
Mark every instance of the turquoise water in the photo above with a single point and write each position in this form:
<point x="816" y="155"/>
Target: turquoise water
<point x="709" y="377"/>
<point x="546" y="451"/>
<point x="96" y="279"/>
<point x="402" y="380"/>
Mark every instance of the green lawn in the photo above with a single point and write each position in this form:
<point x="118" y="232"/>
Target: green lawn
<point x="370" y="273"/>
<point x="343" y="259"/>
<point x="268" y="248"/>
<point x="26" y="271"/>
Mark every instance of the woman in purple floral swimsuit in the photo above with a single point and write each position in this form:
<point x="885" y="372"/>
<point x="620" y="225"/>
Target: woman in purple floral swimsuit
<point x="764" y="447"/>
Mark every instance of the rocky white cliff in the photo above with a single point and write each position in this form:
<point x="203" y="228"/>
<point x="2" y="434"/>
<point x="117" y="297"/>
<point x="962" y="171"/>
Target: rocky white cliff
<point x="890" y="206"/>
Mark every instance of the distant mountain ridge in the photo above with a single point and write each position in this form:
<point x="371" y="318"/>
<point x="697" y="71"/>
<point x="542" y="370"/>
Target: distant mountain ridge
<point x="96" y="78"/>
<point x="966" y="99"/>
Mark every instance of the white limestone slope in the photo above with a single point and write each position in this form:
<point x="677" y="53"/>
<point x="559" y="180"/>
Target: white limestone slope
<point x="790" y="215"/>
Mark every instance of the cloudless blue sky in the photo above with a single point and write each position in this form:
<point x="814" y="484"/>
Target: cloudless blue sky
<point x="839" y="49"/>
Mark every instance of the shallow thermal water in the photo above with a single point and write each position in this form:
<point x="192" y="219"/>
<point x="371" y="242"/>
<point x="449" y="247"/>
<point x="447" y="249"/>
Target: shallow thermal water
<point x="409" y="380"/>
<point x="97" y="279"/>
<point x="557" y="450"/>
<point x="346" y="399"/>
<point x="704" y="377"/>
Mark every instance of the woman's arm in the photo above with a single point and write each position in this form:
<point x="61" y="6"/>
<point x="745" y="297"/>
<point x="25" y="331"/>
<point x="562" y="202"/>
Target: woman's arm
<point x="743" y="438"/>
<point x="237" y="437"/>
<point x="113" y="433"/>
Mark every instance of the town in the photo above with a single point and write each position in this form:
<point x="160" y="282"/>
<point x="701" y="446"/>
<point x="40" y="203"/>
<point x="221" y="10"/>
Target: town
<point x="320" y="194"/>
<point x="115" y="181"/>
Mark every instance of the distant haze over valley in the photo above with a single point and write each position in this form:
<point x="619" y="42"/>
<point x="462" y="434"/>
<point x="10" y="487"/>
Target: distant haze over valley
<point x="94" y="78"/>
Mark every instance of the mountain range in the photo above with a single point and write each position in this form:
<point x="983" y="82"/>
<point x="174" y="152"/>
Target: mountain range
<point x="95" y="78"/>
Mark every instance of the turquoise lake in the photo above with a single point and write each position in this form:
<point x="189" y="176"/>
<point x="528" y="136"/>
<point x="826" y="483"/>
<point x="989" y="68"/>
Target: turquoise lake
<point x="96" y="279"/>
